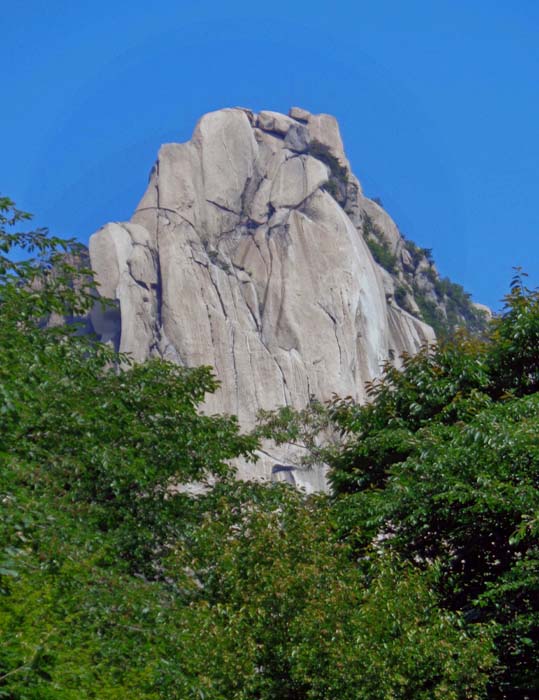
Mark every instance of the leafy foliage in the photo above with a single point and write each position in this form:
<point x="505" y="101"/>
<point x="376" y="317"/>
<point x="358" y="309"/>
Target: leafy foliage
<point x="418" y="254"/>
<point x="378" y="245"/>
<point x="443" y="304"/>
<point x="400" y="296"/>
<point x="338" y="174"/>
<point x="514" y="358"/>
<point x="116" y="582"/>
<point x="452" y="310"/>
<point x="322" y="152"/>
<point x="88" y="457"/>
<point x="300" y="619"/>
<point x="443" y="466"/>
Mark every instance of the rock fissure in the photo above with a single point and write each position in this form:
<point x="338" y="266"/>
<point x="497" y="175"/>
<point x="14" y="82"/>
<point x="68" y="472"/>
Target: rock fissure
<point x="215" y="286"/>
<point x="335" y="328"/>
<point x="223" y="208"/>
<point x="157" y="264"/>
<point x="286" y="391"/>
<point x="236" y="375"/>
<point x="209" y="316"/>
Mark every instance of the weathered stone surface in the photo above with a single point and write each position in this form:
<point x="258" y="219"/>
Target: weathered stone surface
<point x="296" y="179"/>
<point x="274" y="121"/>
<point x="123" y="257"/>
<point x="324" y="129"/>
<point x="297" y="138"/>
<point x="238" y="257"/>
<point x="382" y="219"/>
<point x="299" y="113"/>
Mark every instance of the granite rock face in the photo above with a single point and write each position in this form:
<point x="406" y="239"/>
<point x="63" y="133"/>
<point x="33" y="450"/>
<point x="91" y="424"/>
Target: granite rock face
<point x="246" y="253"/>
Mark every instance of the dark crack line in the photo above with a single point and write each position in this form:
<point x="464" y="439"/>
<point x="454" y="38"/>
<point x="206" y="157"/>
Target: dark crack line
<point x="236" y="376"/>
<point x="216" y="287"/>
<point x="286" y="390"/>
<point x="239" y="290"/>
<point x="235" y="269"/>
<point x="255" y="383"/>
<point x="269" y="273"/>
<point x="308" y="387"/>
<point x="260" y="253"/>
<point x="159" y="330"/>
<point x="170" y="211"/>
<point x="223" y="208"/>
<point x="139" y="283"/>
<point x="274" y="359"/>
<point x="335" y="326"/>
<point x="256" y="321"/>
<point x="210" y="324"/>
<point x="299" y="206"/>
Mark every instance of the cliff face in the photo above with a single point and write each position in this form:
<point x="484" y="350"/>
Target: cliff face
<point x="249" y="252"/>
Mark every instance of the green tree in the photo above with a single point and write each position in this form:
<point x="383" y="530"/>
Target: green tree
<point x="117" y="583"/>
<point x="91" y="458"/>
<point x="294" y="616"/>
<point x="443" y="465"/>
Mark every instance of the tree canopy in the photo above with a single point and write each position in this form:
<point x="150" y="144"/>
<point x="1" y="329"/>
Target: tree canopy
<point x="416" y="578"/>
<point x="443" y="466"/>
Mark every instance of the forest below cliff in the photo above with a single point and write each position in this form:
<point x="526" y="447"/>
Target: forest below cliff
<point x="416" y="578"/>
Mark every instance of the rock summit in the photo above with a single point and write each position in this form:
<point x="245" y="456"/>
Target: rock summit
<point x="248" y="252"/>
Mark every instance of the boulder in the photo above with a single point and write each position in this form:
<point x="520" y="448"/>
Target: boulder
<point x="299" y="114"/>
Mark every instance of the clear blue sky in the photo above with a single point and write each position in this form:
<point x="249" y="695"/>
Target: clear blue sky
<point x="438" y="102"/>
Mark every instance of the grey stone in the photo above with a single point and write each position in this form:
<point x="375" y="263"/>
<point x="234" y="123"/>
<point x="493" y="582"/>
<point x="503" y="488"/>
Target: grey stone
<point x="324" y="130"/>
<point x="297" y="138"/>
<point x="237" y="257"/>
<point x="274" y="121"/>
<point x="300" y="114"/>
<point x="296" y="179"/>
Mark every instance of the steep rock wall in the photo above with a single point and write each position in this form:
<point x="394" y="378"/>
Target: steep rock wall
<point x="246" y="253"/>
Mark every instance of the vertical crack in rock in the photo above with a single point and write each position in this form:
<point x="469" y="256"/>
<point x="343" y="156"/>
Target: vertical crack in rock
<point x="209" y="316"/>
<point x="215" y="286"/>
<point x="335" y="327"/>
<point x="236" y="375"/>
<point x="159" y="284"/>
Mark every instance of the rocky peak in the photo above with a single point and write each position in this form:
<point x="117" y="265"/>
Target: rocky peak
<point x="254" y="250"/>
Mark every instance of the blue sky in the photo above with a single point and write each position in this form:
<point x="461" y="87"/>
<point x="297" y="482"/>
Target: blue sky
<point x="438" y="103"/>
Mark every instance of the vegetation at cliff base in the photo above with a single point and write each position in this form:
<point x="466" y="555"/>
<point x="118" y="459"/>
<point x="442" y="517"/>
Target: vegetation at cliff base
<point x="417" y="578"/>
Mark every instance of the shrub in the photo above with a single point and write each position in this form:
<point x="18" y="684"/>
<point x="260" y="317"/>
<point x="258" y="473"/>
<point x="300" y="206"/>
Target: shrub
<point x="400" y="296"/>
<point x="382" y="255"/>
<point x="321" y="152"/>
<point x="378" y="245"/>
